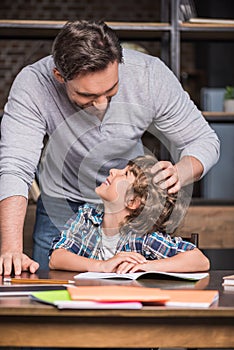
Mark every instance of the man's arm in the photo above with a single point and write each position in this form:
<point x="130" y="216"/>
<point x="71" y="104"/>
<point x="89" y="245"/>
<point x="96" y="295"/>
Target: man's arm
<point x="174" y="177"/>
<point x="12" y="215"/>
<point x="182" y="129"/>
<point x="23" y="127"/>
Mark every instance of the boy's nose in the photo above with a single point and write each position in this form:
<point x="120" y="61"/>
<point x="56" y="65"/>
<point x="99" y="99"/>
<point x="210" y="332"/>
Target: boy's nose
<point x="113" y="172"/>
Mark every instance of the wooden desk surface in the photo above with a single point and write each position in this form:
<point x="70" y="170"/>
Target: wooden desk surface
<point x="27" y="323"/>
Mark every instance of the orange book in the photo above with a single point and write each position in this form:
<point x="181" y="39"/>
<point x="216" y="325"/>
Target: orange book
<point x="118" y="293"/>
<point x="192" y="298"/>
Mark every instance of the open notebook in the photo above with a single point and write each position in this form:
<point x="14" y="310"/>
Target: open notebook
<point x="137" y="275"/>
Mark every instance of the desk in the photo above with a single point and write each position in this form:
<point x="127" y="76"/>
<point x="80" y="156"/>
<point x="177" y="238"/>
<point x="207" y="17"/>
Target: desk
<point x="28" y="323"/>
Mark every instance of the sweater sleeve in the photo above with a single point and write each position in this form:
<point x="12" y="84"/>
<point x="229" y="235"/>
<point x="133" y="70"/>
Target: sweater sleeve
<point x="183" y="129"/>
<point x="22" y="132"/>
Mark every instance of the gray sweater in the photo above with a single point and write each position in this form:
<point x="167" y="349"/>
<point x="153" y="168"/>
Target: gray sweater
<point x="81" y="148"/>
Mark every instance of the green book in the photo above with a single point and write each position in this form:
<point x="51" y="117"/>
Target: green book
<point x="51" y="297"/>
<point x="61" y="299"/>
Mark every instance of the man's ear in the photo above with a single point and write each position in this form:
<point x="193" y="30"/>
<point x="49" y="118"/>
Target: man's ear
<point x="58" y="75"/>
<point x="133" y="203"/>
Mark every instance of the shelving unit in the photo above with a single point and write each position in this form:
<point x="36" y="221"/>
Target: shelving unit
<point x="170" y="32"/>
<point x="186" y="31"/>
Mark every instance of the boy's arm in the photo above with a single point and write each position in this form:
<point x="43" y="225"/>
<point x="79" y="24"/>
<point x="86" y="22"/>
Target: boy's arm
<point x="62" y="259"/>
<point x="189" y="261"/>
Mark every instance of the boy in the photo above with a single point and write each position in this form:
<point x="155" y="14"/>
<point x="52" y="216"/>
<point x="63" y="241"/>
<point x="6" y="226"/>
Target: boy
<point x="127" y="233"/>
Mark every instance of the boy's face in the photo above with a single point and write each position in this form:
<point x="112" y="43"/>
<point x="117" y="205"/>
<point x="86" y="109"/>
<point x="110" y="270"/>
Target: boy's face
<point x="116" y="185"/>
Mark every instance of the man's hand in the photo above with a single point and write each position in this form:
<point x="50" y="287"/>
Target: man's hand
<point x="17" y="261"/>
<point x="12" y="259"/>
<point x="111" y="265"/>
<point x="166" y="175"/>
<point x="173" y="177"/>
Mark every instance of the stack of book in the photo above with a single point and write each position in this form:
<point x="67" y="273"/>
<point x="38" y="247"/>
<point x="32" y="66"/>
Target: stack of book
<point x="69" y="294"/>
<point x="228" y="283"/>
<point x="119" y="296"/>
<point x="188" y="13"/>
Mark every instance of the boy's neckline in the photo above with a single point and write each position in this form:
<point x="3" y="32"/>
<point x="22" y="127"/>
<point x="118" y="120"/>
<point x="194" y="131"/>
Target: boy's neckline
<point x="110" y="232"/>
<point x="110" y="237"/>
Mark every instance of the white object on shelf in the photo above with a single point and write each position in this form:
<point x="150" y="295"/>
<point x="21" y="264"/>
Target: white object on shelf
<point x="228" y="106"/>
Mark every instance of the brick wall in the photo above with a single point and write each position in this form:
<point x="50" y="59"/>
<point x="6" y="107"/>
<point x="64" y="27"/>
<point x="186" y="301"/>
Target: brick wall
<point x="15" y="54"/>
<point x="117" y="10"/>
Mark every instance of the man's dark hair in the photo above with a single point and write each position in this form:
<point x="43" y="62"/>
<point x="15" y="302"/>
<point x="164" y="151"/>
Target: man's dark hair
<point x="85" y="47"/>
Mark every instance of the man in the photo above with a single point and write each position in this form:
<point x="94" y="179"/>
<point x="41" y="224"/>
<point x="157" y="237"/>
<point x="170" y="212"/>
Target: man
<point x="94" y="102"/>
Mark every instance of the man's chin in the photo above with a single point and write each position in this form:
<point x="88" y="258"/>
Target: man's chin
<point x="94" y="111"/>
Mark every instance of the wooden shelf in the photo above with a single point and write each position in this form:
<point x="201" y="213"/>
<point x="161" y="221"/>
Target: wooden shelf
<point x="28" y="29"/>
<point x="206" y="31"/>
<point x="218" y="117"/>
<point x="207" y="26"/>
<point x="199" y="202"/>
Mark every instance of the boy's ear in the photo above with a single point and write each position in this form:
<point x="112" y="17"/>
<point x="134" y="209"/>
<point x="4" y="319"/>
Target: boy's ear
<point x="133" y="203"/>
<point x="58" y="75"/>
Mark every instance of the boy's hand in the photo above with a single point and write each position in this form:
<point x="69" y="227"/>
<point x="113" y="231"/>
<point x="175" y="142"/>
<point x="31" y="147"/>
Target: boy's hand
<point x="129" y="267"/>
<point x="112" y="264"/>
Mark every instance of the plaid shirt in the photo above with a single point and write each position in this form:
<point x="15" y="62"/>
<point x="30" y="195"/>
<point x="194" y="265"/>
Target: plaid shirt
<point x="82" y="236"/>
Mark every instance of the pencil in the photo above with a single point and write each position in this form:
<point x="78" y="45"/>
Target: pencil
<point x="36" y="281"/>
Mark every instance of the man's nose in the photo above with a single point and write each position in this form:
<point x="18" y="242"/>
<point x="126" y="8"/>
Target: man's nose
<point x="101" y="103"/>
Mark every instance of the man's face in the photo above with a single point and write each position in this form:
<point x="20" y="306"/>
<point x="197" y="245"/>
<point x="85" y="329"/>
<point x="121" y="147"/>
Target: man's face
<point x="93" y="90"/>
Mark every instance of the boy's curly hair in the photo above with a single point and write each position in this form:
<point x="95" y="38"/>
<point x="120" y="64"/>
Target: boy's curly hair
<point x="156" y="206"/>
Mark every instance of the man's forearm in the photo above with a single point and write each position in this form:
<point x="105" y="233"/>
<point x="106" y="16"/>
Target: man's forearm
<point x="12" y="215"/>
<point x="189" y="169"/>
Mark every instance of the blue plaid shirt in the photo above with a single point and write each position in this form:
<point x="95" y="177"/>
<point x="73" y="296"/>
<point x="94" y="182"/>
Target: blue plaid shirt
<point x="82" y="235"/>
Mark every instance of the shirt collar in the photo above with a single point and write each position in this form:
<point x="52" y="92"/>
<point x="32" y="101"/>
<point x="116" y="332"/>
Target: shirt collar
<point x="95" y="213"/>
